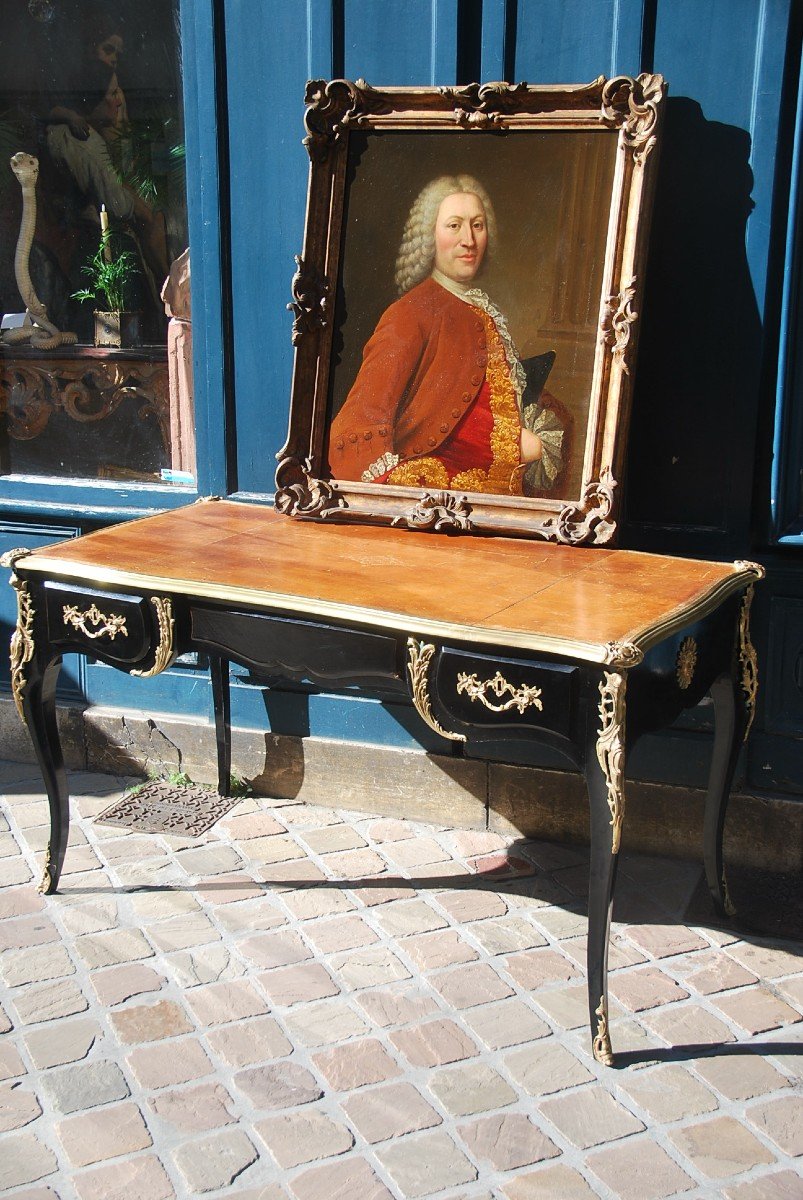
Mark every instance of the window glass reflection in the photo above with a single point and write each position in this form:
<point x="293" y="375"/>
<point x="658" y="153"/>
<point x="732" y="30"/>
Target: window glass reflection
<point x="95" y="374"/>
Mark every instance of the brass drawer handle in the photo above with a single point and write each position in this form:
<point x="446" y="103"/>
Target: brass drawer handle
<point x="99" y="622"/>
<point x="520" y="698"/>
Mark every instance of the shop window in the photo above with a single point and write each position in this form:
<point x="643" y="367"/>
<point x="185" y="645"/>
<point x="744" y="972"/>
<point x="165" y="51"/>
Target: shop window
<point x="95" y="377"/>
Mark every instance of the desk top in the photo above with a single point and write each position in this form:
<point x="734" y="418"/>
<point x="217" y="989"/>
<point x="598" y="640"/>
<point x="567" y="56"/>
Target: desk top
<point x="581" y="603"/>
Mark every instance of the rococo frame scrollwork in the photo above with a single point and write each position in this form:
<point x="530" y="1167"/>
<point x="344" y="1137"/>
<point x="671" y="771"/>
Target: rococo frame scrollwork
<point x="614" y="122"/>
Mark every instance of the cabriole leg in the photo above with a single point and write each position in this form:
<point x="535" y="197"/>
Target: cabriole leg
<point x="221" y="698"/>
<point x="39" y="714"/>
<point x="734" y="697"/>
<point x="604" y="775"/>
<point x="730" y="725"/>
<point x="33" y="685"/>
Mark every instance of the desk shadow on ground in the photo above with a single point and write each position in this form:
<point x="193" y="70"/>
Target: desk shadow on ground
<point x="650" y="890"/>
<point x="768" y="904"/>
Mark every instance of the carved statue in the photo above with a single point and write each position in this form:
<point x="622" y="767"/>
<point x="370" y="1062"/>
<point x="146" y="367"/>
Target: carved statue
<point x="176" y="297"/>
<point x="38" y="330"/>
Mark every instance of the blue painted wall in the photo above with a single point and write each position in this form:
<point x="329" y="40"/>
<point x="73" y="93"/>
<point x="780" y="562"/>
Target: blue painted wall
<point x="715" y="418"/>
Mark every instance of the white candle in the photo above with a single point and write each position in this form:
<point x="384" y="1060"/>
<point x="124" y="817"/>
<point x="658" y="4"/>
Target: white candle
<point x="104" y="233"/>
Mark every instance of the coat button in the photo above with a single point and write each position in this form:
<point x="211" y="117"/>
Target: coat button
<point x="465" y="397"/>
<point x="352" y="437"/>
<point x="383" y="431"/>
<point x="481" y="343"/>
<point x="444" y="428"/>
<point x="455" y="413"/>
<point x="475" y="380"/>
<point x="339" y="444"/>
<point x="368" y="436"/>
<point x="416" y="449"/>
<point x="430" y="441"/>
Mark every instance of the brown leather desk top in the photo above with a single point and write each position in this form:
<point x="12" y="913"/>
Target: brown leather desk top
<point x="504" y="591"/>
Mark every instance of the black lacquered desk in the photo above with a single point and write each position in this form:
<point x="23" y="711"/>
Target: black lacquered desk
<point x="490" y="638"/>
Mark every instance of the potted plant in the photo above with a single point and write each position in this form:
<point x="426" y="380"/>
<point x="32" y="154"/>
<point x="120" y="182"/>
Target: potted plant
<point x="110" y="274"/>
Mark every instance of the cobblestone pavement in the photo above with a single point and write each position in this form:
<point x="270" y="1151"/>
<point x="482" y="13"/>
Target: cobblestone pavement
<point x="308" y="1004"/>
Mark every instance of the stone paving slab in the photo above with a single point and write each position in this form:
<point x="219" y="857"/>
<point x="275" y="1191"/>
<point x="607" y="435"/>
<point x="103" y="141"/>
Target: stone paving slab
<point x="313" y="1004"/>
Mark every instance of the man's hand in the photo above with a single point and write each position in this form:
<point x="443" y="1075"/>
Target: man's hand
<point x="531" y="446"/>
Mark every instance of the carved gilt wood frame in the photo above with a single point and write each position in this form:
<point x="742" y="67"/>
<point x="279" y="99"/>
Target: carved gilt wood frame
<point x="630" y="110"/>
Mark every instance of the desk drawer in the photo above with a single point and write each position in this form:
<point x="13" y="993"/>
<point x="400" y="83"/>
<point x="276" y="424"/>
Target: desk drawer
<point x="114" y="627"/>
<point x="291" y="648"/>
<point x="487" y="692"/>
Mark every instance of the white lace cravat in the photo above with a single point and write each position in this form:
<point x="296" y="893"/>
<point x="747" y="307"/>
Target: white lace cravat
<point x="478" y="298"/>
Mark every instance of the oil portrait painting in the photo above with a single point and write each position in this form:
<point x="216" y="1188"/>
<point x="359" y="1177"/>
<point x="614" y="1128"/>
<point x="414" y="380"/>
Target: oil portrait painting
<point x="476" y="305"/>
<point x="477" y="373"/>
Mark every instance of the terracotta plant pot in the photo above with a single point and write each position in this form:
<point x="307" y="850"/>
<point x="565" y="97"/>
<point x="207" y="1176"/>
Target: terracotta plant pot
<point x="119" y="329"/>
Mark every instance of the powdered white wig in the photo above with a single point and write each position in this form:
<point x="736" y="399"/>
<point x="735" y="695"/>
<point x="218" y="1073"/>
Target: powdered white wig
<point x="417" y="250"/>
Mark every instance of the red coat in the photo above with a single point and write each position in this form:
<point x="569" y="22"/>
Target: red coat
<point x="421" y="372"/>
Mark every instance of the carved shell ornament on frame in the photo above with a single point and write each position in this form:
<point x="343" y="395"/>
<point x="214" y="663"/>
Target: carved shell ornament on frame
<point x="484" y="106"/>
<point x="438" y="511"/>
<point x="617" y="323"/>
<point x="333" y="107"/>
<point x="309" y="305"/>
<point x="587" y="521"/>
<point x="632" y="105"/>
<point x="299" y="493"/>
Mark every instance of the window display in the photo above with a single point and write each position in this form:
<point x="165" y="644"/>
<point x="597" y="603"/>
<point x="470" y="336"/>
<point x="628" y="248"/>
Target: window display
<point x="95" y="376"/>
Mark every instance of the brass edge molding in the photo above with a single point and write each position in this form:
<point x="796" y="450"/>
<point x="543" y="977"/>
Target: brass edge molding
<point x="611" y="748"/>
<point x="687" y="614"/>
<point x="748" y="659"/>
<point x="419" y="656"/>
<point x="165" y="651"/>
<point x="101" y="623"/>
<point x="22" y="643"/>
<point x="686" y="662"/>
<point x="602" y="1040"/>
<point x="520" y="697"/>
<point x="591" y="652"/>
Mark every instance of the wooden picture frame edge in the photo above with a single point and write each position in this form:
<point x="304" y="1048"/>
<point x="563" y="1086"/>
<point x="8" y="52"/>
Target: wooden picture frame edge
<point x="631" y="106"/>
